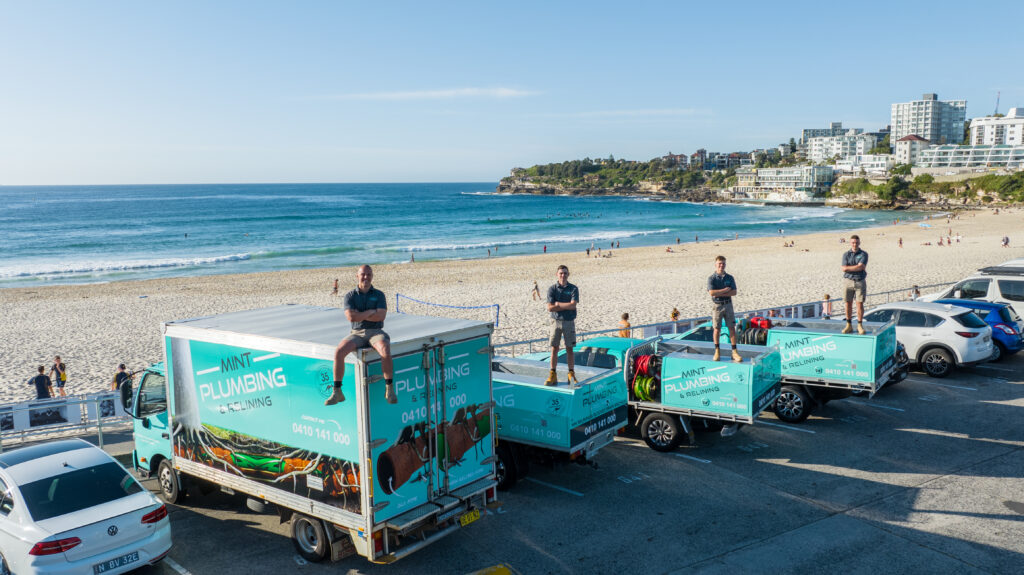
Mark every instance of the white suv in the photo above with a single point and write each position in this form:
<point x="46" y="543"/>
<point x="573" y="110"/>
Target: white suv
<point x="1003" y="284"/>
<point x="938" y="337"/>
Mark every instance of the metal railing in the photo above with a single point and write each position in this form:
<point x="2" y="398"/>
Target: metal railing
<point x="61" y="416"/>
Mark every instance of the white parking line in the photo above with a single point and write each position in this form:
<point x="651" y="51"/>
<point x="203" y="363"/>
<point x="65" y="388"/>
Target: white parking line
<point x="994" y="367"/>
<point x="174" y="565"/>
<point x="693" y="458"/>
<point x="926" y="382"/>
<point x="789" y="427"/>
<point x="553" y="486"/>
<point x="879" y="406"/>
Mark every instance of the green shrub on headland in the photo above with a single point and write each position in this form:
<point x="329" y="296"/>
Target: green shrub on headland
<point x="1009" y="189"/>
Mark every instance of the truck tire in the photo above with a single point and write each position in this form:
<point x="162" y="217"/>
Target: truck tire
<point x="661" y="431"/>
<point x="937" y="362"/>
<point x="506" y="467"/>
<point x="793" y="404"/>
<point x="170" y="488"/>
<point x="310" y="538"/>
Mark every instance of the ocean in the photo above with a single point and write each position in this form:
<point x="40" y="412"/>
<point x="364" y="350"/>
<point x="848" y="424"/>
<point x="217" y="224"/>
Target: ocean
<point x="88" y="234"/>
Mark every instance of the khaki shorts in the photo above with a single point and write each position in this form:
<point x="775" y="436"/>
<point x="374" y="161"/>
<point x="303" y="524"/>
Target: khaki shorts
<point x="563" y="329"/>
<point x="720" y="311"/>
<point x="367" y="337"/>
<point x="854" y="290"/>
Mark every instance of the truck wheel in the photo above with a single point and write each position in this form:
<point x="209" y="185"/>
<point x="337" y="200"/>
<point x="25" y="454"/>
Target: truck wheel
<point x="937" y="362"/>
<point x="170" y="489"/>
<point x="309" y="538"/>
<point x="793" y="404"/>
<point x="505" y="467"/>
<point x="660" y="431"/>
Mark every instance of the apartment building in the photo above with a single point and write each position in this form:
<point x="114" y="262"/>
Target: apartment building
<point x="797" y="184"/>
<point x="939" y="122"/>
<point x="1008" y="130"/>
<point x="973" y="157"/>
<point x="824" y="148"/>
<point x="834" y="129"/>
<point x="868" y="164"/>
<point x="908" y="148"/>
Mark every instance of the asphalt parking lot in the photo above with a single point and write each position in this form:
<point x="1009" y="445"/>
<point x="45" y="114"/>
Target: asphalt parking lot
<point x="926" y="477"/>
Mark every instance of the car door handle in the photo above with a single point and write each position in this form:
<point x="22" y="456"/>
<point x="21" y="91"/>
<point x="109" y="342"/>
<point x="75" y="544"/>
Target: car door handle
<point x="165" y="435"/>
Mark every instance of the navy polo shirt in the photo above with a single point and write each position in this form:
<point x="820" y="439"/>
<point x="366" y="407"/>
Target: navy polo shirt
<point x="371" y="300"/>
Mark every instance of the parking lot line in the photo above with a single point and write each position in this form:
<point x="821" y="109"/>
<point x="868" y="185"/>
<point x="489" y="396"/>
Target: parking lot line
<point x="993" y="367"/>
<point x="553" y="486"/>
<point x="879" y="406"/>
<point x="789" y="427"/>
<point x="926" y="382"/>
<point x="693" y="458"/>
<point x="174" y="565"/>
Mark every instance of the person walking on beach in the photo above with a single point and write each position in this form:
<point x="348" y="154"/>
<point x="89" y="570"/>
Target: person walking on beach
<point x="366" y="307"/>
<point x="674" y="315"/>
<point x="122" y="382"/>
<point x="826" y="307"/>
<point x="536" y="291"/>
<point x="562" y="300"/>
<point x="625" y="330"/>
<point x="335" y="291"/>
<point x="42" y="383"/>
<point x="854" y="265"/>
<point x="60" y="376"/>
<point x="721" y="288"/>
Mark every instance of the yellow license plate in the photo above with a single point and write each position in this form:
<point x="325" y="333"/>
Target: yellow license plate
<point x="470" y="517"/>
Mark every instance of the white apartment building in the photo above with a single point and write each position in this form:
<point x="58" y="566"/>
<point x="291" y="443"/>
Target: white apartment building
<point x="980" y="157"/>
<point x="834" y="129"/>
<point x="995" y="131"/>
<point x="800" y="184"/>
<point x="825" y="148"/>
<point x="939" y="122"/>
<point x="873" y="164"/>
<point x="908" y="148"/>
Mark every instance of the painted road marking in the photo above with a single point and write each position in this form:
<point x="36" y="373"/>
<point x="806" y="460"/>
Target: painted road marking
<point x="926" y="382"/>
<point x="928" y="397"/>
<point x="174" y="565"/>
<point x="206" y="371"/>
<point x="789" y="427"/>
<point x="993" y="367"/>
<point x="553" y="486"/>
<point x="878" y="405"/>
<point x="692" y="457"/>
<point x="265" y="357"/>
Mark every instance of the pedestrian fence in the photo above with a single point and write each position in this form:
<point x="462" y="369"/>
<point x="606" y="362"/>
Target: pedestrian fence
<point x="78" y="414"/>
<point x="808" y="310"/>
<point x="399" y="297"/>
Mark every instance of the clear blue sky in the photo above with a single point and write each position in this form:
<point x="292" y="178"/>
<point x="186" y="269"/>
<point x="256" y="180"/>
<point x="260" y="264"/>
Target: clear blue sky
<point x="189" y="92"/>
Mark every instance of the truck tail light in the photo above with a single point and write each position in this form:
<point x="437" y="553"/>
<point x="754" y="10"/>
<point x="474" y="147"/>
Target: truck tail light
<point x="968" y="334"/>
<point x="491" y="494"/>
<point x="155" y="516"/>
<point x="378" y="542"/>
<point x="54" y="547"/>
<point x="1006" y="329"/>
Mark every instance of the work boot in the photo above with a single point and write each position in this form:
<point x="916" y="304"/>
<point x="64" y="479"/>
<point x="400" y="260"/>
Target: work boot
<point x="717" y="356"/>
<point x="552" y="378"/>
<point x="336" y="397"/>
<point x="389" y="393"/>
<point x="736" y="356"/>
<point x="572" y="378"/>
<point x="848" y="328"/>
<point x="860" y="328"/>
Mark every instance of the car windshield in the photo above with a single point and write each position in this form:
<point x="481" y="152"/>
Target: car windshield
<point x="969" y="319"/>
<point x="77" y="490"/>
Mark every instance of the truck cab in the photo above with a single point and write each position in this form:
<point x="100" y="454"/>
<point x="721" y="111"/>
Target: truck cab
<point x="148" y="407"/>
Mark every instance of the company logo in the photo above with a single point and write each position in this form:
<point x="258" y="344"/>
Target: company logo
<point x="705" y="402"/>
<point x="325" y="381"/>
<point x="555" y="405"/>
<point x="112" y="530"/>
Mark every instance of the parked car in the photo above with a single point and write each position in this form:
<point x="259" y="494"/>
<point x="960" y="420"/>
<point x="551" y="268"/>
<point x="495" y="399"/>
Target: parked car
<point x="938" y="337"/>
<point x="68" y="507"/>
<point x="1006" y="325"/>
<point x="1003" y="283"/>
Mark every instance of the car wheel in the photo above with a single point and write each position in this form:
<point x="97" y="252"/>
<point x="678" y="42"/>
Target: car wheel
<point x="4" y="569"/>
<point x="998" y="352"/>
<point x="660" y="431"/>
<point x="793" y="404"/>
<point x="937" y="362"/>
<point x="505" y="467"/>
<point x="309" y="538"/>
<point x="170" y="489"/>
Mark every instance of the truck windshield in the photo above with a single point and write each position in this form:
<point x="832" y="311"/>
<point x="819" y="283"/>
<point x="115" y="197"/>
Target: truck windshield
<point x="77" y="490"/>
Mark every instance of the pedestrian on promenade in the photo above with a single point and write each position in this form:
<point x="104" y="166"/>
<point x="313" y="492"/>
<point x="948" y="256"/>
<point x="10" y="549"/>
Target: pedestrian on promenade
<point x="562" y="300"/>
<point x="60" y="376"/>
<point x="366" y="307"/>
<point x="42" y="383"/>
<point x="721" y="288"/>
<point x="625" y="329"/>
<point x="854" y="266"/>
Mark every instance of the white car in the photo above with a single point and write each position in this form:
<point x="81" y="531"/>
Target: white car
<point x="938" y="337"/>
<point x="1001" y="284"/>
<point x="68" y="507"/>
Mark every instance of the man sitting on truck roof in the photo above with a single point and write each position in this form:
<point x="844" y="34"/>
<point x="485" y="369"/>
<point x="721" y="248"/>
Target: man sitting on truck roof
<point x="366" y="307"/>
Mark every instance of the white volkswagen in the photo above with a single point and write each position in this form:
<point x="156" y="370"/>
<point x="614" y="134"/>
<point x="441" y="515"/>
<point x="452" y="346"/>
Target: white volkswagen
<point x="68" y="507"/>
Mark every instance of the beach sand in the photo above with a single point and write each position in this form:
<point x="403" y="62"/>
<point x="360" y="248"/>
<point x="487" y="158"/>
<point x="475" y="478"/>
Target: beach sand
<point x="95" y="327"/>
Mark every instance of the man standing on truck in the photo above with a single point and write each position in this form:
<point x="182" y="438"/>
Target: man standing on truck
<point x="721" y="288"/>
<point x="855" y="262"/>
<point x="562" y="299"/>
<point x="366" y="308"/>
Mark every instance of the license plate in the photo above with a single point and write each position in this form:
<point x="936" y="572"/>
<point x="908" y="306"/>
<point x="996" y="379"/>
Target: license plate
<point x="469" y="517"/>
<point x="987" y="339"/>
<point x="116" y="562"/>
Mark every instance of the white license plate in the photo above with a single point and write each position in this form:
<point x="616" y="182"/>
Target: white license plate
<point x="116" y="562"/>
<point x="987" y="339"/>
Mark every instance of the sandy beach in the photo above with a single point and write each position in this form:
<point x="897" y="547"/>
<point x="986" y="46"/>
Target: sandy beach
<point x="95" y="327"/>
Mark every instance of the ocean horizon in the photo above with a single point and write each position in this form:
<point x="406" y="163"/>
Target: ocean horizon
<point x="91" y="234"/>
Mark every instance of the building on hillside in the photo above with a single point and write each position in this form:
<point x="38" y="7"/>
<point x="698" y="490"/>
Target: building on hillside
<point x="1008" y="130"/>
<point x="978" y="158"/>
<point x="908" y="148"/>
<point x="939" y="122"/>
<point x="731" y="160"/>
<point x="676" y="161"/>
<point x="800" y="184"/>
<point x="824" y="148"/>
<point x="698" y="158"/>
<point x="867" y="164"/>
<point x="834" y="129"/>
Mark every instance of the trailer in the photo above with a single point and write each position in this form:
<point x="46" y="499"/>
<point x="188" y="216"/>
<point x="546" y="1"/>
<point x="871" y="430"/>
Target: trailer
<point x="238" y="405"/>
<point x="540" y="423"/>
<point x="674" y="384"/>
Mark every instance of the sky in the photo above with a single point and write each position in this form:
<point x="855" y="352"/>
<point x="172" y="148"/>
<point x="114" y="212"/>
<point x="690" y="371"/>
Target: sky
<point x="129" y="92"/>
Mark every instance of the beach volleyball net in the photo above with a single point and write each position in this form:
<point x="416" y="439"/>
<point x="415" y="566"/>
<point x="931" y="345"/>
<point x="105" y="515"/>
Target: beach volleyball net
<point x="406" y="304"/>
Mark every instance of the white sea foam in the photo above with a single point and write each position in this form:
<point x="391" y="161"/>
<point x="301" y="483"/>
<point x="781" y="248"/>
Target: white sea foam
<point x="86" y="267"/>
<point x="600" y="236"/>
